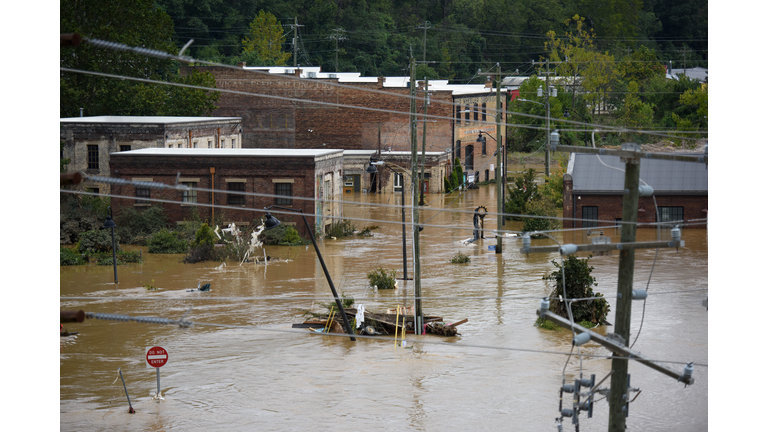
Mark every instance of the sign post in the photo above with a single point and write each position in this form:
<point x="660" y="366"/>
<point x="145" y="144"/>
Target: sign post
<point x="157" y="357"/>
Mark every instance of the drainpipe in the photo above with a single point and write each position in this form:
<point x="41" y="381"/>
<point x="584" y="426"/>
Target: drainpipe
<point x="189" y="143"/>
<point x="213" y="171"/>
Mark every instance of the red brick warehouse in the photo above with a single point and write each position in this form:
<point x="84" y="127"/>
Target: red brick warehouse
<point x="313" y="174"/>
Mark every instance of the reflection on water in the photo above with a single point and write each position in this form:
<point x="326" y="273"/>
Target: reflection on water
<point x="265" y="376"/>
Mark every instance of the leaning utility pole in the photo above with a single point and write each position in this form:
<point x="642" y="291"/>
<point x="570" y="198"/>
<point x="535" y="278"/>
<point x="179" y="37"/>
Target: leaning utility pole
<point x="417" y="316"/>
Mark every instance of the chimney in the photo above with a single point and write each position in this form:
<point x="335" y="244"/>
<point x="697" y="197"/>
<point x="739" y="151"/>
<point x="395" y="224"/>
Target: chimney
<point x="488" y="82"/>
<point x="297" y="71"/>
<point x="241" y="64"/>
<point x="381" y="81"/>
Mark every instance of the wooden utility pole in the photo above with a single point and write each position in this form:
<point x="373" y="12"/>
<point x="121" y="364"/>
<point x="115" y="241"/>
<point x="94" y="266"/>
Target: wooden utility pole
<point x="425" y="26"/>
<point x="619" y="396"/>
<point x="417" y="315"/>
<point x="337" y="35"/>
<point x="295" y="38"/>
<point x="424" y="142"/>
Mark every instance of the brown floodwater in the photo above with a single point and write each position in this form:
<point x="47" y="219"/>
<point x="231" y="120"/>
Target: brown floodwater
<point x="501" y="373"/>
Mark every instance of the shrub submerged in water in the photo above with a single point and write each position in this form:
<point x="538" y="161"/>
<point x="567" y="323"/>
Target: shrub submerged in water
<point x="382" y="278"/>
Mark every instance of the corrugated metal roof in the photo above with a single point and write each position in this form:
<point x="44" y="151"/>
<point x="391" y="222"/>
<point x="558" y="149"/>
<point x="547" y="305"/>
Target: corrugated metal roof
<point x="229" y="152"/>
<point x="664" y="176"/>
<point x="145" y="119"/>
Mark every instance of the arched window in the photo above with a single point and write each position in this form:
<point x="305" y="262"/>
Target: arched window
<point x="458" y="114"/>
<point x="476" y="113"/>
<point x="483" y="111"/>
<point x="466" y="114"/>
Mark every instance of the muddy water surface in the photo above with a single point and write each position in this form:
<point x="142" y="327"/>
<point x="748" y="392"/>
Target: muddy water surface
<point x="500" y="374"/>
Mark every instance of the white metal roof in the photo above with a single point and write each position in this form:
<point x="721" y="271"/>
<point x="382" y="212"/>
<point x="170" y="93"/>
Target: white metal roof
<point x="251" y="152"/>
<point x="145" y="119"/>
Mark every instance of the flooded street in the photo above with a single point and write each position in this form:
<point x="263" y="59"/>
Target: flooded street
<point x="502" y="373"/>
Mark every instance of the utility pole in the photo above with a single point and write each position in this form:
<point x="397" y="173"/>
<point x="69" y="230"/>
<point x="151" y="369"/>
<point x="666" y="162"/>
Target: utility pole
<point x="547" y="153"/>
<point x="424" y="142"/>
<point x="337" y="35"/>
<point x="619" y="396"/>
<point x="295" y="38"/>
<point x="500" y="163"/>
<point x="425" y="25"/>
<point x="417" y="316"/>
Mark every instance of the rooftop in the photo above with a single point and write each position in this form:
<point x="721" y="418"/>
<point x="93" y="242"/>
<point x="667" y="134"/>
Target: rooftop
<point x="664" y="176"/>
<point x="229" y="152"/>
<point x="145" y="119"/>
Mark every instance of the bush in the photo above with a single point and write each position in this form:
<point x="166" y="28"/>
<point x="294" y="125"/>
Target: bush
<point x="367" y="231"/>
<point x="460" y="258"/>
<point x="579" y="283"/>
<point x="342" y="228"/>
<point x="541" y="207"/>
<point x="382" y="278"/>
<point x="138" y="226"/>
<point x="68" y="257"/>
<point x="80" y="213"/>
<point x="98" y="240"/>
<point x="204" y="236"/>
<point x="165" y="241"/>
<point x="283" y="235"/>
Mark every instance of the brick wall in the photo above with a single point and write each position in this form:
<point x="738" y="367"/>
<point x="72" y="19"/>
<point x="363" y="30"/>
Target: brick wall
<point x="274" y="122"/>
<point x="258" y="174"/>
<point x="610" y="207"/>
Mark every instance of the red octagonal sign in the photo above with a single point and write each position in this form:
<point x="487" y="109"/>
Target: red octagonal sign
<point x="157" y="356"/>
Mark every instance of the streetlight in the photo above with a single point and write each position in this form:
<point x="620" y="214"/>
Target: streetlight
<point x="109" y="223"/>
<point x="272" y="222"/>
<point x="372" y="169"/>
<point x="502" y="170"/>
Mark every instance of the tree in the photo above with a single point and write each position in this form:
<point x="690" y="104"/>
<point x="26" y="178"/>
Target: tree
<point x="116" y="21"/>
<point x="264" y="43"/>
<point x="578" y="284"/>
<point x="523" y="191"/>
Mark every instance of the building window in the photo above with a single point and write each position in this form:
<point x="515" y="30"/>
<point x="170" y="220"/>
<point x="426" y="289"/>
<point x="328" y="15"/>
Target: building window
<point x="142" y="194"/>
<point x="234" y="143"/>
<point x="398" y="185"/>
<point x="194" y="144"/>
<point x="483" y="111"/>
<point x="125" y="148"/>
<point x="469" y="161"/>
<point x="210" y="144"/>
<point x="670" y="214"/>
<point x="458" y="115"/>
<point x="483" y="147"/>
<point x="190" y="196"/>
<point x="222" y="144"/>
<point x="286" y="190"/>
<point x="589" y="213"/>
<point x="486" y="175"/>
<point x="93" y="157"/>
<point x="458" y="149"/>
<point x="466" y="114"/>
<point x="475" y="113"/>
<point x="234" y="199"/>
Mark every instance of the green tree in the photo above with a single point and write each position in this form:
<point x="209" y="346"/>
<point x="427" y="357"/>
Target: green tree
<point x="540" y="207"/>
<point x="116" y="21"/>
<point x="522" y="191"/>
<point x="635" y="114"/>
<point x="578" y="284"/>
<point x="263" y="45"/>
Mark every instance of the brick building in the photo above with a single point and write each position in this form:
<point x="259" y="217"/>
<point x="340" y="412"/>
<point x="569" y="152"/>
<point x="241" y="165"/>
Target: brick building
<point x="357" y="180"/>
<point x="88" y="141"/>
<point x="307" y="121"/>
<point x="287" y="174"/>
<point x="594" y="193"/>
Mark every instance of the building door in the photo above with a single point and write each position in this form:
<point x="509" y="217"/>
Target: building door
<point x="425" y="187"/>
<point x="469" y="160"/>
<point x="356" y="182"/>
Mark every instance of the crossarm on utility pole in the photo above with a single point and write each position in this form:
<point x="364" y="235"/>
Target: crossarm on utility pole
<point x="608" y="246"/>
<point x="614" y="346"/>
<point x="630" y="153"/>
